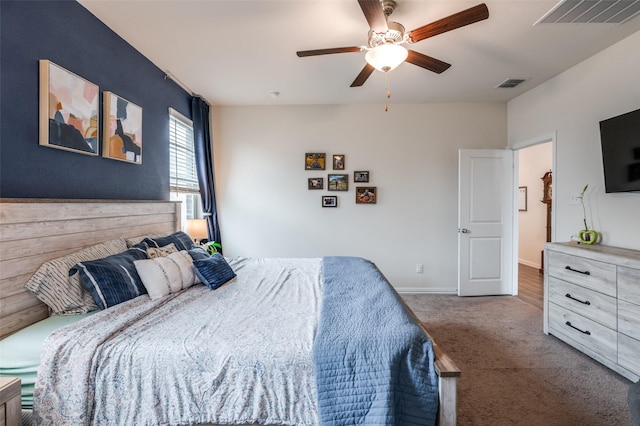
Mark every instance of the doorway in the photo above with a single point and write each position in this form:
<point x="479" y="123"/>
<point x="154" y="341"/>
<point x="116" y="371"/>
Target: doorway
<point x="534" y="216"/>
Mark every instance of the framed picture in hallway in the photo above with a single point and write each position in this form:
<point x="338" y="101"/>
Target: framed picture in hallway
<point x="522" y="198"/>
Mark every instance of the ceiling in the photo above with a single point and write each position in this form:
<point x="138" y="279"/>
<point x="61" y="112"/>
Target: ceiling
<point x="238" y="52"/>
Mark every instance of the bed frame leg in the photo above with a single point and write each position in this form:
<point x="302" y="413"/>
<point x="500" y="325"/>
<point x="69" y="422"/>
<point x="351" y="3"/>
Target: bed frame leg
<point x="447" y="411"/>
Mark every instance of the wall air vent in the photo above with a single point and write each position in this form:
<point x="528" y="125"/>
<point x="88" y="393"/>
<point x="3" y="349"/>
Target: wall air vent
<point x="591" y="12"/>
<point x="511" y="83"/>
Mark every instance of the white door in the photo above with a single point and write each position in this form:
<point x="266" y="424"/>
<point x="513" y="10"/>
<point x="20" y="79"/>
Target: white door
<point x="485" y="217"/>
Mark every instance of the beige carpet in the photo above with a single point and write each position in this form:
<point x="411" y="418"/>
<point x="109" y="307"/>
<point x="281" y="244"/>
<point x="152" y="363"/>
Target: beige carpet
<point x="514" y="374"/>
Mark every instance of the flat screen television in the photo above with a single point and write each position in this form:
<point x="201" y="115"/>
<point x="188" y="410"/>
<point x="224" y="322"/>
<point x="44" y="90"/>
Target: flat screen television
<point x="620" y="140"/>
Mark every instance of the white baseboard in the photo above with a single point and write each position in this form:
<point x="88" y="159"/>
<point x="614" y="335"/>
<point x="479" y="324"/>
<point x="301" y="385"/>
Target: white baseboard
<point x="410" y="290"/>
<point x="529" y="263"/>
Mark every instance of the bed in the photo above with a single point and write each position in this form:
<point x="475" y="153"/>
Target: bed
<point x="316" y="353"/>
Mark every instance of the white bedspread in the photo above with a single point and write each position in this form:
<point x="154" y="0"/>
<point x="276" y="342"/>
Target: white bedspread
<point x="239" y="354"/>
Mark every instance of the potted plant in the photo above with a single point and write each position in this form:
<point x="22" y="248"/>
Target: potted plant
<point x="212" y="247"/>
<point x="586" y="235"/>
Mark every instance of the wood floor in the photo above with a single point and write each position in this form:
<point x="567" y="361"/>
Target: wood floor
<point x="530" y="285"/>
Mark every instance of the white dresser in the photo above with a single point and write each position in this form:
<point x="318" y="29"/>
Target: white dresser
<point x="592" y="302"/>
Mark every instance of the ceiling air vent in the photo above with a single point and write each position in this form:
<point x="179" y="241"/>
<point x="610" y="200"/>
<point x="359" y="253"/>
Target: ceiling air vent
<point x="591" y="12"/>
<point x="511" y="83"/>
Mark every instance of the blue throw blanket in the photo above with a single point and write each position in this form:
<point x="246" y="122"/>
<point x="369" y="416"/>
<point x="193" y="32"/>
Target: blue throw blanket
<point x="374" y="364"/>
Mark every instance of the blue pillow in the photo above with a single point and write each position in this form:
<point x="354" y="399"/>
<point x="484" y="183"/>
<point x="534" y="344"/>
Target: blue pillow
<point x="198" y="253"/>
<point x="113" y="279"/>
<point x="180" y="239"/>
<point x="214" y="271"/>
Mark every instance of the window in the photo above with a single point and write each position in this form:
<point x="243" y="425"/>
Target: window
<point x="183" y="176"/>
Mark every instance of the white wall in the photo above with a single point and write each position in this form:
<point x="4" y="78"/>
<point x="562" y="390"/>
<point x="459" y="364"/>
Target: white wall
<point x="533" y="162"/>
<point x="573" y="103"/>
<point x="411" y="152"/>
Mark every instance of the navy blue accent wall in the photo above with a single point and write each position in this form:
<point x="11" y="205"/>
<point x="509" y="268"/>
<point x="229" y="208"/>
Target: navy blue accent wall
<point x="67" y="34"/>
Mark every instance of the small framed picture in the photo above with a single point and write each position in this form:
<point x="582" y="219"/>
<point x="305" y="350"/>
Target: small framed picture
<point x="316" y="183"/>
<point x="361" y="176"/>
<point x="338" y="161"/>
<point x="522" y="198"/>
<point x="329" y="201"/>
<point x="314" y="161"/>
<point x="338" y="183"/>
<point x="366" y="195"/>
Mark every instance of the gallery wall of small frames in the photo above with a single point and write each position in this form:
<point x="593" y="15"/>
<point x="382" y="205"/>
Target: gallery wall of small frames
<point x="338" y="180"/>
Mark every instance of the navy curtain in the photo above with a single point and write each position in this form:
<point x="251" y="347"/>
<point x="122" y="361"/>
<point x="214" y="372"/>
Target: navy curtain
<point x="204" y="164"/>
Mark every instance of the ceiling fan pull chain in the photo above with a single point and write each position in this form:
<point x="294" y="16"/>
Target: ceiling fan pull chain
<point x="386" y="107"/>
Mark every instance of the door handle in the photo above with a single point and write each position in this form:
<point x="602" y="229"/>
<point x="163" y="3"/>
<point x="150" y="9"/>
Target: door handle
<point x="463" y="230"/>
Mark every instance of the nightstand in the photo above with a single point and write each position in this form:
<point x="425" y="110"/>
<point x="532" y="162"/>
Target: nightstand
<point x="10" y="405"/>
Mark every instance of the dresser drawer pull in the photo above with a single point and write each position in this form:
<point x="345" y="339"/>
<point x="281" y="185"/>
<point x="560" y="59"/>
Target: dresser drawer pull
<point x="575" y="270"/>
<point x="584" y="302"/>
<point x="588" y="333"/>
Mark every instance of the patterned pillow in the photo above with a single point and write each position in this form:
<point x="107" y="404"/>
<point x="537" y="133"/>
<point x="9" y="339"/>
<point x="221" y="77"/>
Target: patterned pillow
<point x="180" y="239"/>
<point x="137" y="240"/>
<point x="113" y="279"/>
<point x="165" y="275"/>
<point x="155" y="252"/>
<point x="65" y="294"/>
<point x="198" y="253"/>
<point x="214" y="271"/>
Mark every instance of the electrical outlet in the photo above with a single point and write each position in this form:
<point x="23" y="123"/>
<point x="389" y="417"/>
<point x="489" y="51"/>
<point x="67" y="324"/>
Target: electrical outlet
<point x="574" y="199"/>
<point x="419" y="268"/>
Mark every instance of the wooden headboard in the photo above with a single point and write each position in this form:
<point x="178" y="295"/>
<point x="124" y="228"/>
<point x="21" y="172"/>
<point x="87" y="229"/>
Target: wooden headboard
<point x="33" y="231"/>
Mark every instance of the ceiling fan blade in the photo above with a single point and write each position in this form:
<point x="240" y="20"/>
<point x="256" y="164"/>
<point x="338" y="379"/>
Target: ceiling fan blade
<point x="427" y="62"/>
<point x="317" y="52"/>
<point x="457" y="20"/>
<point x="374" y="14"/>
<point x="363" y="76"/>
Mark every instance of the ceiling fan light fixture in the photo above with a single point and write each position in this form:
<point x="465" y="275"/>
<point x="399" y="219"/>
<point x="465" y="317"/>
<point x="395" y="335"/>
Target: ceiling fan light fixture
<point x="386" y="57"/>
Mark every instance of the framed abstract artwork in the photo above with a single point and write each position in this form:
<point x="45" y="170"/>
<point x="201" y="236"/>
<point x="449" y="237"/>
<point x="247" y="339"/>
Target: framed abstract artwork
<point x="69" y="110"/>
<point x="122" y="131"/>
<point x="314" y="161"/>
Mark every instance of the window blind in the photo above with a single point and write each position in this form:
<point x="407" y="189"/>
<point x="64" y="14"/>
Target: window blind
<point x="183" y="176"/>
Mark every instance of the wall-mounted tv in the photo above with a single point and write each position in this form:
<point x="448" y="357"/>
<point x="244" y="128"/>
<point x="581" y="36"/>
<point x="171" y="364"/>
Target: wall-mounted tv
<point x="620" y="140"/>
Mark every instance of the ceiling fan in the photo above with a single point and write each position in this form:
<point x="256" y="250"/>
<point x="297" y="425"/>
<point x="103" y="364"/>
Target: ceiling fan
<point x="385" y="50"/>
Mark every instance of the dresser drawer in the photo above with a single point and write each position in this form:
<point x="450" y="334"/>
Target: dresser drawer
<point x="629" y="319"/>
<point x="595" y="275"/>
<point x="599" y="339"/>
<point x="629" y="353"/>
<point x="588" y="303"/>
<point x="629" y="285"/>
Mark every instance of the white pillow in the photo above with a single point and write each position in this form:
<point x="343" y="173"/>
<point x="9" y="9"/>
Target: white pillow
<point x="165" y="275"/>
